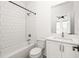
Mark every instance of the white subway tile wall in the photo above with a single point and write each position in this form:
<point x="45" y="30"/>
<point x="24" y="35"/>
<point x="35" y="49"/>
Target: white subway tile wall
<point x="12" y="19"/>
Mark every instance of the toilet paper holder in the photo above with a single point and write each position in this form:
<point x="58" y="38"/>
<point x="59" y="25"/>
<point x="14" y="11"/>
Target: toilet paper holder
<point x="76" y="47"/>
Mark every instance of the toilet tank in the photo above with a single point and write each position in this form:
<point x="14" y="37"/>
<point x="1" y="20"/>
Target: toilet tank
<point x="41" y="43"/>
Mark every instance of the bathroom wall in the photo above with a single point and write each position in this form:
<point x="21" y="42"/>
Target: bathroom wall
<point x="44" y="18"/>
<point x="43" y="22"/>
<point x="12" y="20"/>
<point x="76" y="16"/>
<point x="31" y="21"/>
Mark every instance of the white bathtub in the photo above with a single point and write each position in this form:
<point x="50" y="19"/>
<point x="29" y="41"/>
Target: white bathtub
<point x="20" y="53"/>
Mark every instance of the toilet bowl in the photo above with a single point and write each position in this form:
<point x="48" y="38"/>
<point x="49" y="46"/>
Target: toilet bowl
<point x="36" y="52"/>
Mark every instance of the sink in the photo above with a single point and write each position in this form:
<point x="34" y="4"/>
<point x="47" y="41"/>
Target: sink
<point x="64" y="39"/>
<point x="67" y="39"/>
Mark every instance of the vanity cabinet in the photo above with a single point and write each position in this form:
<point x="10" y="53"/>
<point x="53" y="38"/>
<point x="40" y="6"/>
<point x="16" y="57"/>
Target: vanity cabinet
<point x="53" y="49"/>
<point x="67" y="51"/>
<point x="60" y="50"/>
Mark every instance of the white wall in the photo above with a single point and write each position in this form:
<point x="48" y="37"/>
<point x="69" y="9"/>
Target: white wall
<point x="31" y="21"/>
<point x="76" y="16"/>
<point x="12" y="36"/>
<point x="43" y="18"/>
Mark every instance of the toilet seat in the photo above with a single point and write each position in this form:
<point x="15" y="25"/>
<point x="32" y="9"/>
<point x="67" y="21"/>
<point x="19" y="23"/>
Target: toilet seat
<point x="35" y="52"/>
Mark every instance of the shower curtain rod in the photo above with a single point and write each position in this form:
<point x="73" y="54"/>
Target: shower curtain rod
<point x="22" y="7"/>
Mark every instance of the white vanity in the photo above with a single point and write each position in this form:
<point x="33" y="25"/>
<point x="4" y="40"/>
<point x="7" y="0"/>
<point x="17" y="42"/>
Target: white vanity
<point x="58" y="47"/>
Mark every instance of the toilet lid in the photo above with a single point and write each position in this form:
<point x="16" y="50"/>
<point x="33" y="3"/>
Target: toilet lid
<point x="35" y="51"/>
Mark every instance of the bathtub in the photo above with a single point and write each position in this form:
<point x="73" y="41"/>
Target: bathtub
<point x="20" y="53"/>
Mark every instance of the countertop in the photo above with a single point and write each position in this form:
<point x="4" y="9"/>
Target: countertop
<point x="68" y="39"/>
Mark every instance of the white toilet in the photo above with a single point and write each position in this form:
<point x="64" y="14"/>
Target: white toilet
<point x="36" y="52"/>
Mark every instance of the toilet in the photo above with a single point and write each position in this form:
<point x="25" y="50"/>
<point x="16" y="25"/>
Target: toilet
<point x="36" y="52"/>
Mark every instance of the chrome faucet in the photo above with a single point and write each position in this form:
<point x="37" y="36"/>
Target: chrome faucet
<point x="62" y="34"/>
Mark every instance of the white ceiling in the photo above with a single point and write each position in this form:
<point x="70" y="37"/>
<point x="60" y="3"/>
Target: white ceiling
<point x="56" y="2"/>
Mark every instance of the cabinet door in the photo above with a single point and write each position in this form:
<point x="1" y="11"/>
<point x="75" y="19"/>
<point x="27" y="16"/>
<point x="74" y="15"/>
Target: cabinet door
<point x="76" y="54"/>
<point x="53" y="49"/>
<point x="67" y="51"/>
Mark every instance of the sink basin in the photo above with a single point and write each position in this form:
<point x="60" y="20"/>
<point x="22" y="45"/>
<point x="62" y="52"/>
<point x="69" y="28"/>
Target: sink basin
<point x="64" y="39"/>
<point x="67" y="39"/>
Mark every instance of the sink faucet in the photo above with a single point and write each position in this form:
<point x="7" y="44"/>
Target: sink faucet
<point x="62" y="34"/>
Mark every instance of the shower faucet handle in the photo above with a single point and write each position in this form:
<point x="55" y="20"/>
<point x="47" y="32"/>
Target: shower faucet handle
<point x="29" y="35"/>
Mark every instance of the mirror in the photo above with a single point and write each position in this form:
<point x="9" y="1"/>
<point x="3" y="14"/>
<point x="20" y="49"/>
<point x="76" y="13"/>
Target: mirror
<point x="63" y="24"/>
<point x="63" y="18"/>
